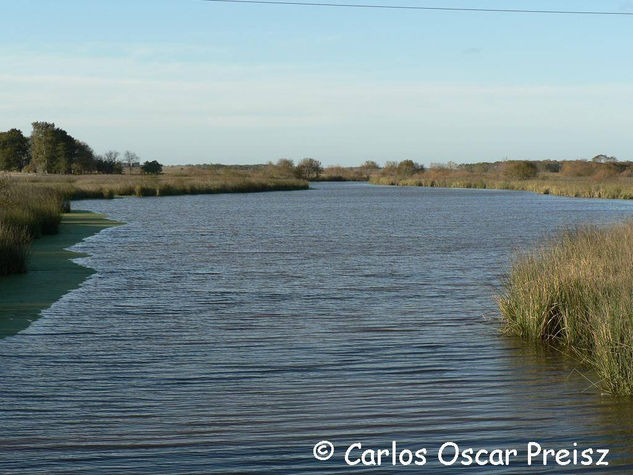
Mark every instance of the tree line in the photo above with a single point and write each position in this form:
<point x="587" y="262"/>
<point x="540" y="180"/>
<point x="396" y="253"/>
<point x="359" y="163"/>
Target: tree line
<point x="51" y="149"/>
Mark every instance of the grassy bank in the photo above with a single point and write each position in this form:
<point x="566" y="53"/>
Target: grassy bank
<point x="617" y="188"/>
<point x="189" y="181"/>
<point x="577" y="293"/>
<point x="51" y="272"/>
<point x="31" y="205"/>
<point x="26" y="212"/>
<point x="575" y="178"/>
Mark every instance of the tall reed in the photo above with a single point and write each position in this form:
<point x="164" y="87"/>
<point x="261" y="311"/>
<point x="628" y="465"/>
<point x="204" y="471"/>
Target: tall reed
<point x="73" y="187"/>
<point x="26" y="212"/>
<point x="576" y="292"/>
<point x="576" y="188"/>
<point x="14" y="247"/>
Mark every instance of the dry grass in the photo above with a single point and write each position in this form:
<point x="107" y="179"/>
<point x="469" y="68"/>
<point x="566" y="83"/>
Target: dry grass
<point x="552" y="184"/>
<point x="577" y="293"/>
<point x="193" y="182"/>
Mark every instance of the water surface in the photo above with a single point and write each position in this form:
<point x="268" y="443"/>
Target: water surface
<point x="230" y="333"/>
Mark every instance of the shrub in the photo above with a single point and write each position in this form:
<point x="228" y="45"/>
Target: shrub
<point x="577" y="168"/>
<point x="520" y="170"/>
<point x="152" y="168"/>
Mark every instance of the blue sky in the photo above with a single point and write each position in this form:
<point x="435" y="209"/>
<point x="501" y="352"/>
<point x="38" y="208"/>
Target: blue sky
<point x="189" y="81"/>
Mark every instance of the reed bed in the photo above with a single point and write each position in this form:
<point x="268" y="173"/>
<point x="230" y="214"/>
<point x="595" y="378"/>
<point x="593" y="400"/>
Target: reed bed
<point x="576" y="293"/>
<point x="110" y="186"/>
<point x="26" y="212"/>
<point x="14" y="247"/>
<point x="576" y="188"/>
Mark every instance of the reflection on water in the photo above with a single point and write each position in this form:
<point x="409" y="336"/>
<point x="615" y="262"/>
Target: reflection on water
<point x="230" y="333"/>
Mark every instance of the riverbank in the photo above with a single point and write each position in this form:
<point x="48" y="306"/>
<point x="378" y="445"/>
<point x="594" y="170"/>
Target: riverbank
<point x="576" y="293"/>
<point x="577" y="188"/>
<point x="74" y="187"/>
<point x="31" y="205"/>
<point x="51" y="272"/>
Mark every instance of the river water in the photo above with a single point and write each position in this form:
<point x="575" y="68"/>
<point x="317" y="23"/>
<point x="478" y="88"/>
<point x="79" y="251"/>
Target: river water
<point x="230" y="333"/>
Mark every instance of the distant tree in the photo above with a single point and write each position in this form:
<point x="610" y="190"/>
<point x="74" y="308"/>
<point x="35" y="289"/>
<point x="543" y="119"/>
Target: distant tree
<point x="109" y="163"/>
<point x="285" y="163"/>
<point x="43" y="146"/>
<point x="604" y="159"/>
<point x="65" y="152"/>
<point x="309" y="169"/>
<point x="14" y="150"/>
<point x="285" y="166"/>
<point x="481" y="167"/>
<point x="551" y="166"/>
<point x="370" y="165"/>
<point x="519" y="169"/>
<point x="84" y="158"/>
<point x="111" y="156"/>
<point x="152" y="168"/>
<point x="408" y="168"/>
<point x="53" y="150"/>
<point x="390" y="168"/>
<point x="130" y="158"/>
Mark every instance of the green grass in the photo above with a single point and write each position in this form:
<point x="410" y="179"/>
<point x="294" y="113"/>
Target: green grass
<point x="576" y="293"/>
<point x="14" y="247"/>
<point x="26" y="213"/>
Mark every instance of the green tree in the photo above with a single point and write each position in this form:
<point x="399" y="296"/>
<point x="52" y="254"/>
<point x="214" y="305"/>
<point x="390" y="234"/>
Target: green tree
<point x="84" y="158"/>
<point x="14" y="150"/>
<point x="152" y="168"/>
<point x="65" y="151"/>
<point x="309" y="169"/>
<point x="43" y="146"/>
<point x="108" y="163"/>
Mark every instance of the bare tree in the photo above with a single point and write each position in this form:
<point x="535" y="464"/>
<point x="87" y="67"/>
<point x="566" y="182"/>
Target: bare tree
<point x="130" y="158"/>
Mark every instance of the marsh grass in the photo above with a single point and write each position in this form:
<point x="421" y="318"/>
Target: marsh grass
<point x="547" y="184"/>
<point x="194" y="182"/>
<point x="576" y="293"/>
<point x="26" y="213"/>
<point x="14" y="247"/>
<point x="35" y="209"/>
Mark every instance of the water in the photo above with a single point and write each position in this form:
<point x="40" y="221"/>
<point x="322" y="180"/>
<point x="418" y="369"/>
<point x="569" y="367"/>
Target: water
<point x="230" y="333"/>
